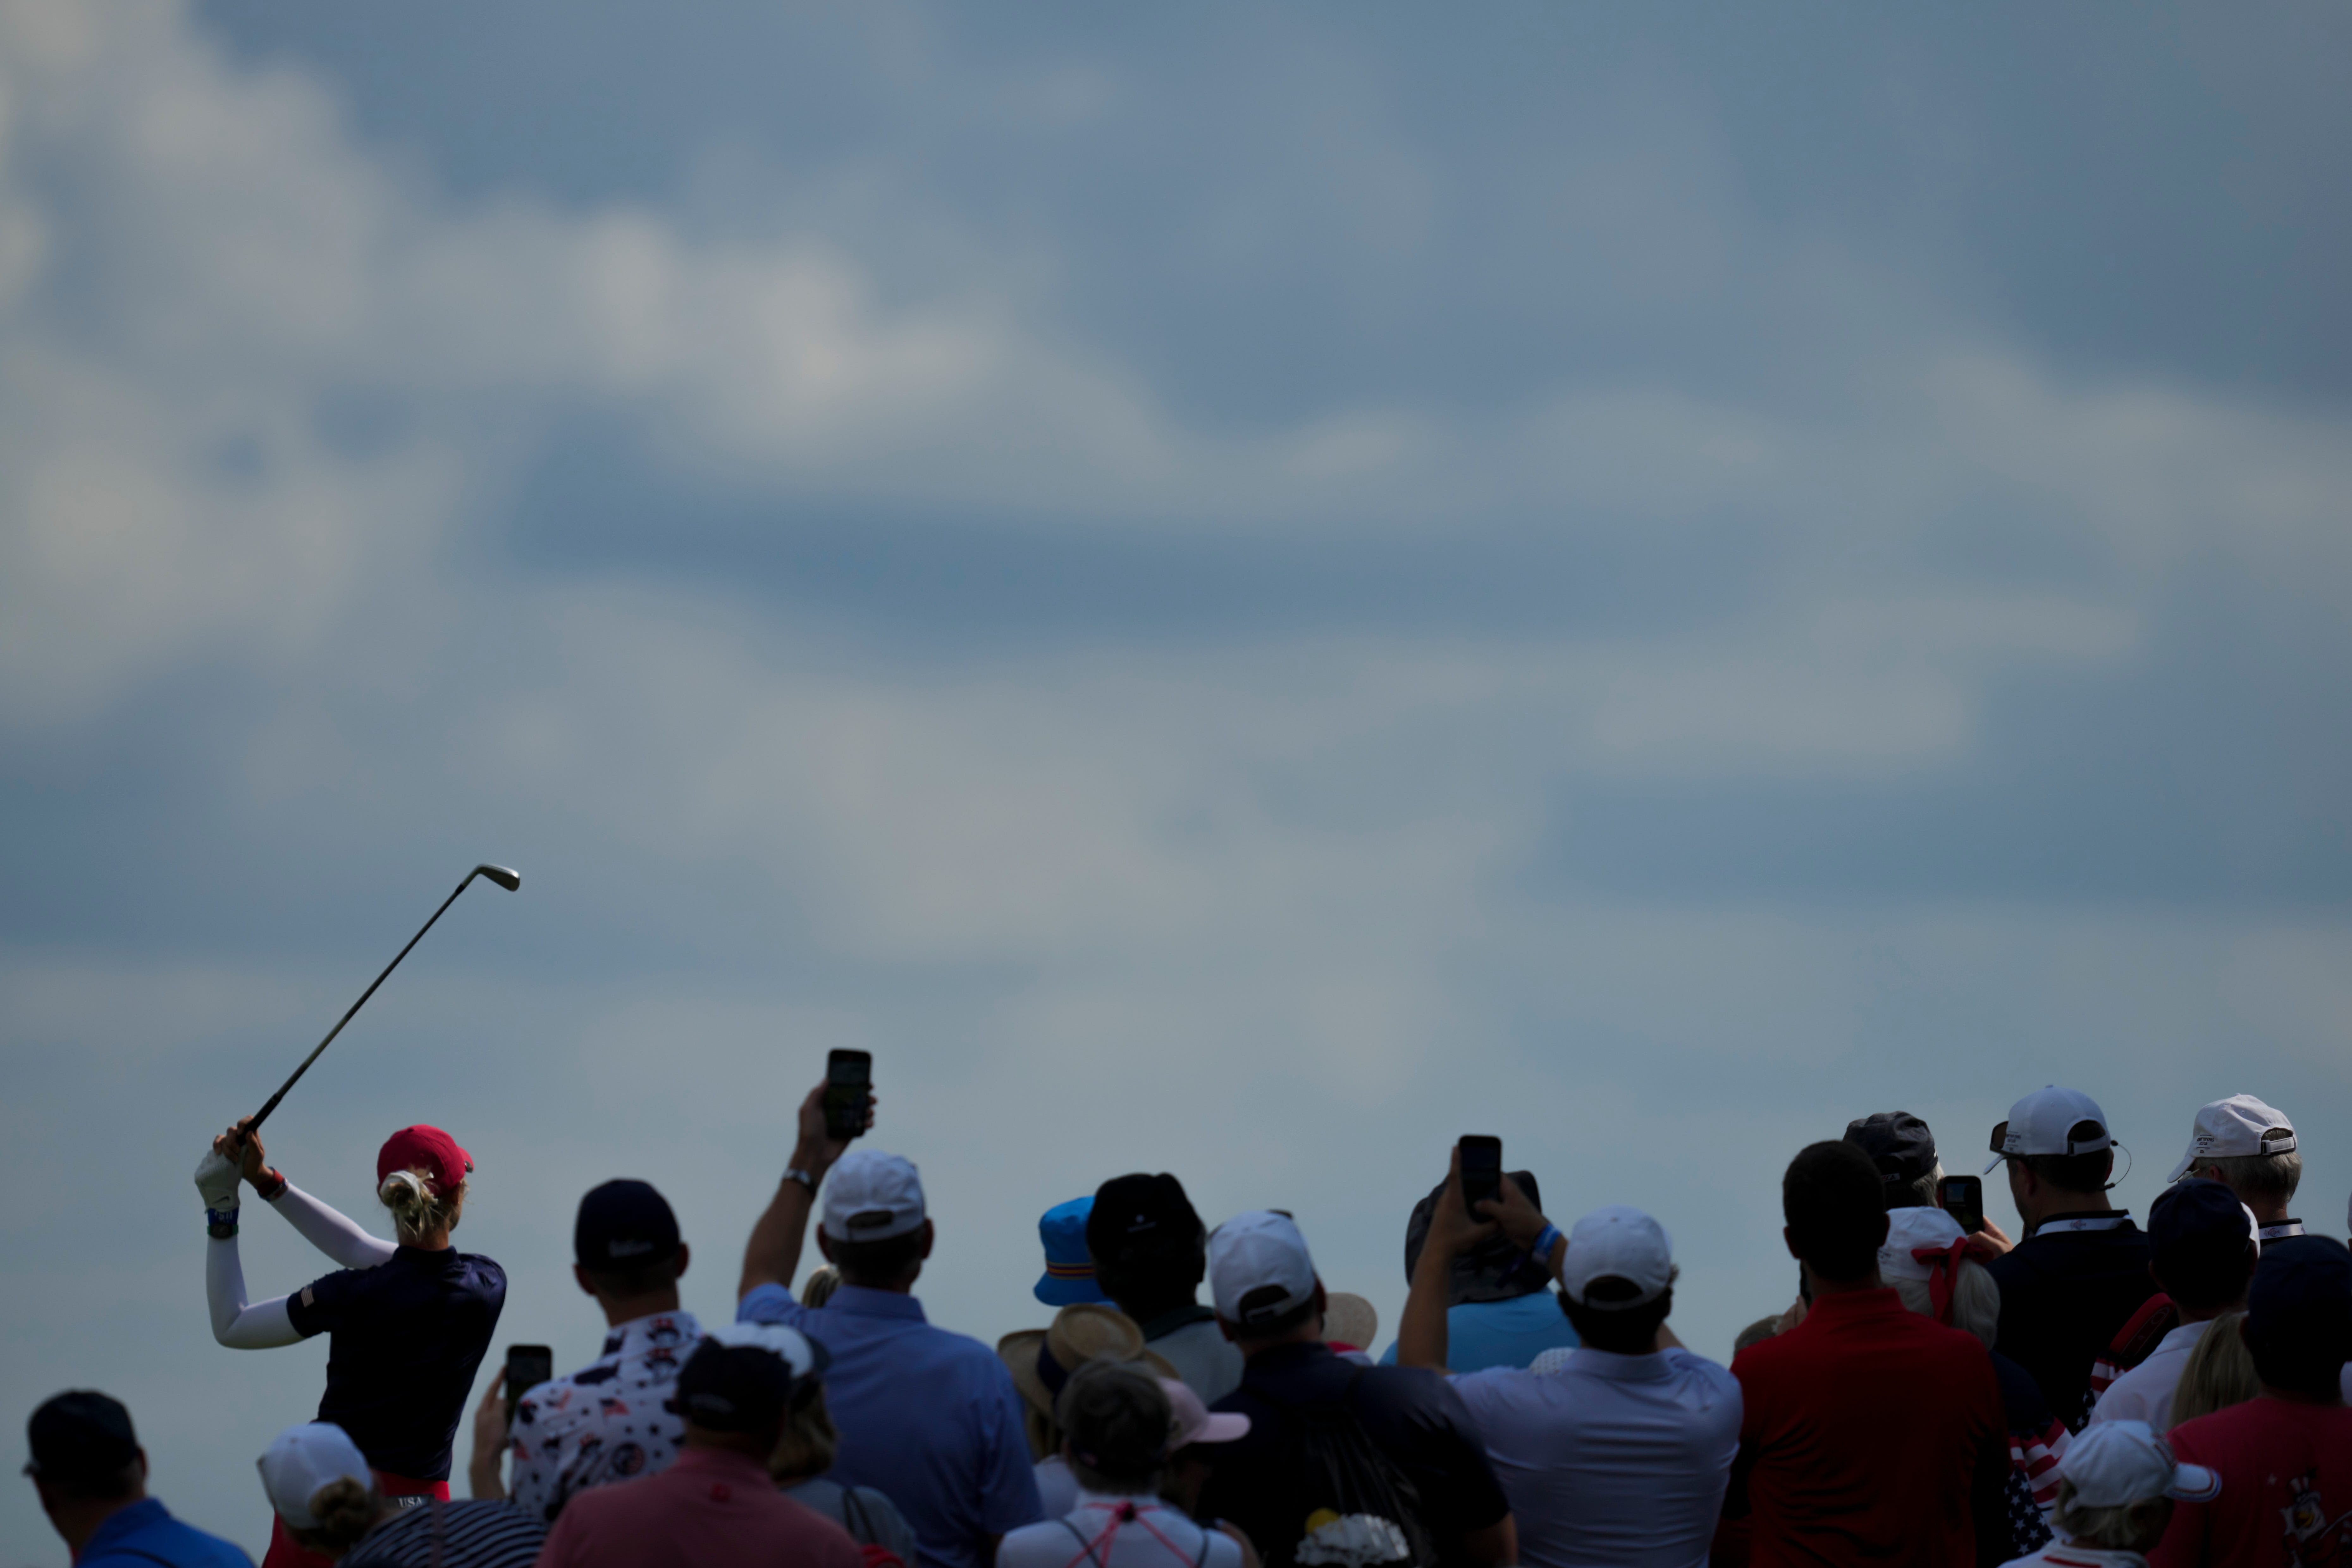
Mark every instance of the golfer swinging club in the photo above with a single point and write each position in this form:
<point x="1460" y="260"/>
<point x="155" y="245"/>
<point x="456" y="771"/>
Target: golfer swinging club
<point x="410" y="1322"/>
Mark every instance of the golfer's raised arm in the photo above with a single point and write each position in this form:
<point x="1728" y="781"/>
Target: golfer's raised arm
<point x="323" y="1226"/>
<point x="235" y="1323"/>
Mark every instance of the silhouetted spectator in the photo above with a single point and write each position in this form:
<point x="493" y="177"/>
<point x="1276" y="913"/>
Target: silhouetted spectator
<point x="2116" y="1492"/>
<point x="799" y="1464"/>
<point x="1904" y="1150"/>
<point x="610" y="1421"/>
<point x="1501" y="1311"/>
<point x="1042" y="1361"/>
<point x="2251" y="1149"/>
<point x="2081" y="1269"/>
<point x="929" y="1417"/>
<point x="2284" y="1457"/>
<point x="322" y="1492"/>
<point x="715" y="1506"/>
<point x="91" y="1474"/>
<point x="1869" y="1433"/>
<point x="1394" y="1445"/>
<point x="1150" y="1253"/>
<point x="2202" y="1253"/>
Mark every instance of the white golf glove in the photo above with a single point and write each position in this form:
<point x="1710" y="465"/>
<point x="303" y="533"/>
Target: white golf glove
<point x="216" y="1177"/>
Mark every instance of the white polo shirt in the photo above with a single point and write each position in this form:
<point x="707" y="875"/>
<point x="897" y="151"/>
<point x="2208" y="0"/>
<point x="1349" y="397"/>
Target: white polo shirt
<point x="2145" y="1393"/>
<point x="1616" y="1459"/>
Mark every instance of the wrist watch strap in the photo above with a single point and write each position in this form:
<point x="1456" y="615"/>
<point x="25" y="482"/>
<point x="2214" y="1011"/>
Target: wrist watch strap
<point x="796" y="1174"/>
<point x="220" y="1224"/>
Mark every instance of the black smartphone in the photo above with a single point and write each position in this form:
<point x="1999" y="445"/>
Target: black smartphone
<point x="527" y="1366"/>
<point x="1963" y="1199"/>
<point x="848" y="1093"/>
<point x="1482" y="1172"/>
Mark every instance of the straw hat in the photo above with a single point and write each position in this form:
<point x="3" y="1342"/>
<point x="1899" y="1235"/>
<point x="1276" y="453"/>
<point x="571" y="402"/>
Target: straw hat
<point x="1041" y="1360"/>
<point x="1350" y="1320"/>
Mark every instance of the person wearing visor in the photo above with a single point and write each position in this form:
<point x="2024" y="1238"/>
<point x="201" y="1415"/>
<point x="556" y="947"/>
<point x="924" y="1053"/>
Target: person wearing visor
<point x="612" y="1420"/>
<point x="2116" y="1487"/>
<point x="2080" y="1271"/>
<point x="409" y="1320"/>
<point x="2249" y="1149"/>
<point x="326" y="1497"/>
<point x="716" y="1506"/>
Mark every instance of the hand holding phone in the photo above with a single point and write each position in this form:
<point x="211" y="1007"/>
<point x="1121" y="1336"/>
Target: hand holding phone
<point x="527" y="1366"/>
<point x="848" y="1093"/>
<point x="1963" y="1199"/>
<point x="1482" y="1172"/>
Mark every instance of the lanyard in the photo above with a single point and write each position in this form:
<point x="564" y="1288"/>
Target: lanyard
<point x="2099" y="1222"/>
<point x="2281" y="1231"/>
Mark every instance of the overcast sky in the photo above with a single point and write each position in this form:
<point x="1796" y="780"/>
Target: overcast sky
<point x="1242" y="592"/>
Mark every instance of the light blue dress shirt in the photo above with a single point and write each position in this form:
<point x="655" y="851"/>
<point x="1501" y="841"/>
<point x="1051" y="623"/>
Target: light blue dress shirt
<point x="928" y="1417"/>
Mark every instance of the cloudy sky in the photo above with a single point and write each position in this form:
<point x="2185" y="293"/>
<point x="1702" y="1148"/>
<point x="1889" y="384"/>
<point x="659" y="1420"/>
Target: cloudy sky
<point x="1242" y="592"/>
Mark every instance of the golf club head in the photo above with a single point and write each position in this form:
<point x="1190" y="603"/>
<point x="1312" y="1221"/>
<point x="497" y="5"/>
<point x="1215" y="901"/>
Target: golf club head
<point x="509" y="881"/>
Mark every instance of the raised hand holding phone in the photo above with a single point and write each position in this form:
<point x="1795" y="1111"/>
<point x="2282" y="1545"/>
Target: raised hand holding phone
<point x="848" y="1094"/>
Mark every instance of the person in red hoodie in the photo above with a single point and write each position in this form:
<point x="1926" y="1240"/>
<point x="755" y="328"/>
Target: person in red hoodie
<point x="1871" y="1434"/>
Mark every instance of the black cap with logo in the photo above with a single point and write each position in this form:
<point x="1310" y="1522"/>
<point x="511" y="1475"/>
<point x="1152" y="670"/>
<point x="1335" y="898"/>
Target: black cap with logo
<point x="624" y="1225"/>
<point x="733" y="1388"/>
<point x="1898" y="1143"/>
<point x="1140" y="1217"/>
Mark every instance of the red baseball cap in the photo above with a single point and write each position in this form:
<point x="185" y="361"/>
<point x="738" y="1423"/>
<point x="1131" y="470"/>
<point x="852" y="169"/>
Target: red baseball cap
<point x="426" y="1149"/>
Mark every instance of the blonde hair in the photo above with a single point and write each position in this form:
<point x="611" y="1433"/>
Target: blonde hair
<point x="345" y="1512"/>
<point x="2131" y="1527"/>
<point x="808" y="1441"/>
<point x="2220" y="1371"/>
<point x="415" y="1211"/>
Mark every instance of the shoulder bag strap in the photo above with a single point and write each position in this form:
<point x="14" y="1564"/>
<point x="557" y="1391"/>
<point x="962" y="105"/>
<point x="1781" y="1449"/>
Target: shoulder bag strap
<point x="1087" y="1547"/>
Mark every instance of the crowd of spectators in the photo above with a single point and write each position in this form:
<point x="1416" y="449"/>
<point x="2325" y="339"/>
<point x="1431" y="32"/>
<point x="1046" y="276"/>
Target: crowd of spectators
<point x="2091" y="1394"/>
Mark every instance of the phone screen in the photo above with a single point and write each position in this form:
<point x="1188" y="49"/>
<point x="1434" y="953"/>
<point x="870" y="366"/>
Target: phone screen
<point x="527" y="1366"/>
<point x="1482" y="1172"/>
<point x="1963" y="1199"/>
<point x="848" y="1078"/>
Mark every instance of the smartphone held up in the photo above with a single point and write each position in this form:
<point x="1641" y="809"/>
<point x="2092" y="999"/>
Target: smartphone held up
<point x="1482" y="1171"/>
<point x="1963" y="1197"/>
<point x="848" y="1093"/>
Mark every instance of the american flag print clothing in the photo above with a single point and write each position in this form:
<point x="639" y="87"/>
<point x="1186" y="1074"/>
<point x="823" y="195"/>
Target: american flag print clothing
<point x="608" y="1422"/>
<point x="2033" y="1488"/>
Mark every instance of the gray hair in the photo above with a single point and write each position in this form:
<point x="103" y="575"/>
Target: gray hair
<point x="2131" y="1527"/>
<point x="1918" y="1194"/>
<point x="2257" y="1175"/>
<point x="1976" y="1300"/>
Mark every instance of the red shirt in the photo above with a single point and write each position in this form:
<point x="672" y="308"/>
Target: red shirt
<point x="711" y="1508"/>
<point x="1865" y="1425"/>
<point x="2286" y="1487"/>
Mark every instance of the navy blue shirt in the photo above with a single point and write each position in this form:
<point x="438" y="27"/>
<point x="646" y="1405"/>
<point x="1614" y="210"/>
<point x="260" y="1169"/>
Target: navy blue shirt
<point x="1412" y="1414"/>
<point x="408" y="1334"/>
<point x="2064" y="1294"/>
<point x="145" y="1533"/>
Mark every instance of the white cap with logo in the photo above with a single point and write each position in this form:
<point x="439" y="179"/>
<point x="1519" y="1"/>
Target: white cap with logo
<point x="301" y="1460"/>
<point x="872" y="1196"/>
<point x="1259" y="1259"/>
<point x="2114" y="1463"/>
<point x="1617" y="1243"/>
<point x="2043" y="1122"/>
<point x="2237" y="1126"/>
<point x="801" y="1354"/>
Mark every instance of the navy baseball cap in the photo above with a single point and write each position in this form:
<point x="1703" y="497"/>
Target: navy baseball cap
<point x="1898" y="1143"/>
<point x="2299" y="1312"/>
<point x="1139" y="1217"/>
<point x="734" y="1387"/>
<point x="624" y="1225"/>
<point x="81" y="1434"/>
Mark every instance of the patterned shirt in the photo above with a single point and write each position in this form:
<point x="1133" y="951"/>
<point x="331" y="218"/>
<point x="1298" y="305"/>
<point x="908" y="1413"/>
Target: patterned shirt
<point x="607" y="1421"/>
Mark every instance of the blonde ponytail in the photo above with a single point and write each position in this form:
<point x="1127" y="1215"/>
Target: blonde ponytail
<point x="415" y="1211"/>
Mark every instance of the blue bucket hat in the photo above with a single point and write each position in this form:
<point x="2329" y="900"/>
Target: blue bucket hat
<point x="1070" y="1276"/>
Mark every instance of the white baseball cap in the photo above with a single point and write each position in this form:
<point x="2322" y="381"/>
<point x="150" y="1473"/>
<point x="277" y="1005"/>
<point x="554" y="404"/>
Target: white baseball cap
<point x="1911" y="1231"/>
<point x="1255" y="1252"/>
<point x="1617" y="1243"/>
<point x="301" y="1460"/>
<point x="872" y="1196"/>
<point x="801" y="1354"/>
<point x="2114" y="1463"/>
<point x="2232" y="1127"/>
<point x="2044" y="1123"/>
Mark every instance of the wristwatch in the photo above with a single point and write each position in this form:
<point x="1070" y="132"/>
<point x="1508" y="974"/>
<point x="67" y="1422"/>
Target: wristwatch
<point x="803" y="1178"/>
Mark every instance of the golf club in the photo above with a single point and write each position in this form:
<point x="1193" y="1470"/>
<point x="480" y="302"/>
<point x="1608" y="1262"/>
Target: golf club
<point x="509" y="881"/>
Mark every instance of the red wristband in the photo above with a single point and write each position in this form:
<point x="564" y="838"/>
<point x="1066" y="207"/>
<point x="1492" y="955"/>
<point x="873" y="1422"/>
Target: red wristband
<point x="273" y="1187"/>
